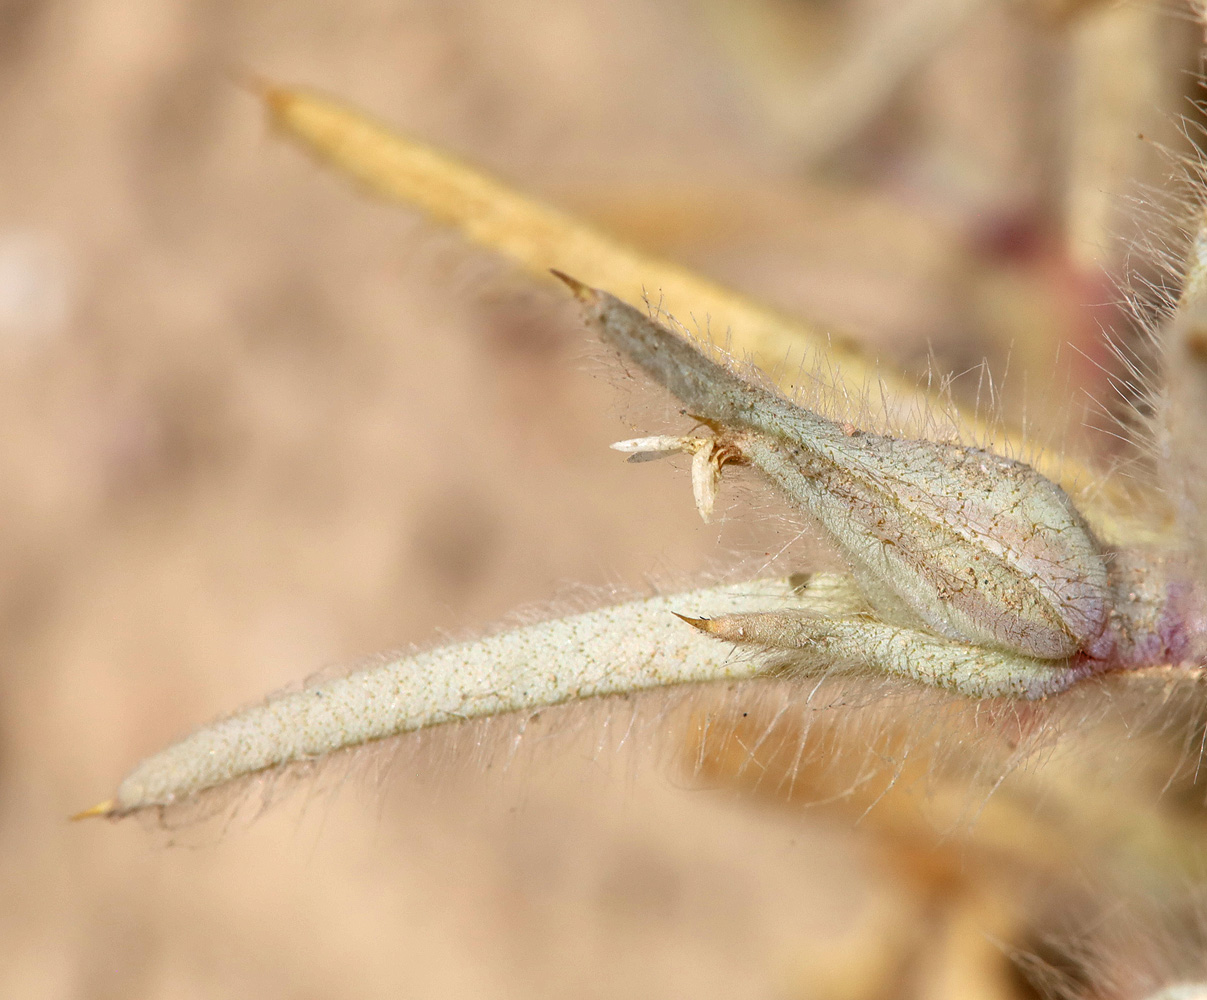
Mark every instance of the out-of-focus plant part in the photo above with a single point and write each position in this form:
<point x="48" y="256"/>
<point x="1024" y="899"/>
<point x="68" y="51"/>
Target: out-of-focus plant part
<point x="1121" y="77"/>
<point x="1120" y="81"/>
<point x="1145" y="949"/>
<point x="972" y="573"/>
<point x="1079" y="622"/>
<point x="1180" y="411"/>
<point x="865" y="748"/>
<point x="820" y="110"/>
<point x="539" y="238"/>
<point x="1056" y="822"/>
<point x="1060" y="12"/>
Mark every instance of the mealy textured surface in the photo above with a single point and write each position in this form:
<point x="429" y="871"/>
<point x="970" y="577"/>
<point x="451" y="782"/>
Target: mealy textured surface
<point x="968" y="544"/>
<point x="253" y="424"/>
<point x="616" y="650"/>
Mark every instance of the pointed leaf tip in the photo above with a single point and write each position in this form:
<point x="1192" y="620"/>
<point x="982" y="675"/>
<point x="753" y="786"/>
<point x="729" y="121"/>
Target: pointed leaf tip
<point x="703" y="624"/>
<point x="584" y="293"/>
<point x="100" y="810"/>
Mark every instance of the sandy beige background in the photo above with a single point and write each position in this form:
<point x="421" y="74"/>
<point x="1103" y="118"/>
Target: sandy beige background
<point x="253" y="425"/>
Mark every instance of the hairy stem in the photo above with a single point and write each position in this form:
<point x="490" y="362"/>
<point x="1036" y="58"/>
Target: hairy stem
<point x="630" y="647"/>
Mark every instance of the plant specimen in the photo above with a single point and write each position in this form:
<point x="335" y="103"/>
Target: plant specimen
<point x="969" y="570"/>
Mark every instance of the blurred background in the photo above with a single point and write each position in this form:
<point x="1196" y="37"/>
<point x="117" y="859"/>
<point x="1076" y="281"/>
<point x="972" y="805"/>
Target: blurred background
<point x="253" y="424"/>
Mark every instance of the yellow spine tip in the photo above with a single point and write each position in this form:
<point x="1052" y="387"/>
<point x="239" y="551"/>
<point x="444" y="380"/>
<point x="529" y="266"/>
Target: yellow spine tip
<point x="276" y="98"/>
<point x="101" y="809"/>
<point x="584" y="293"/>
<point x="703" y="624"/>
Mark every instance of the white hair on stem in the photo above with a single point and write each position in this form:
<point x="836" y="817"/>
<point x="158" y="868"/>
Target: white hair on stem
<point x="626" y="648"/>
<point x="905" y="513"/>
<point x="911" y="517"/>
